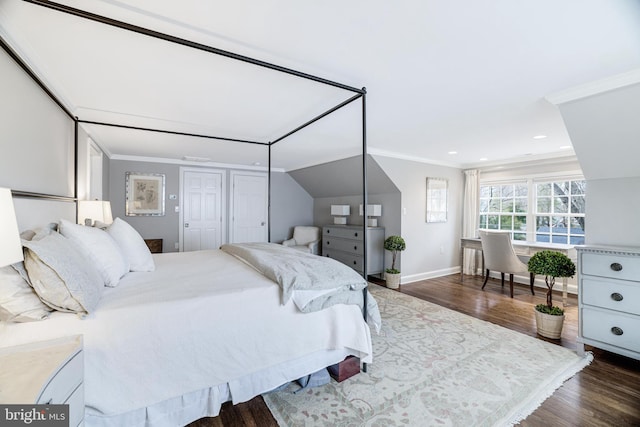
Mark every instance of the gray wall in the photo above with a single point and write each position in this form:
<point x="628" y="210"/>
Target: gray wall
<point x="433" y="249"/>
<point x="150" y="227"/>
<point x="290" y="204"/>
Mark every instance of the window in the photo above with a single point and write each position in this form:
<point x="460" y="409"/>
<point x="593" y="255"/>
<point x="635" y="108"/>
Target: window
<point x="504" y="207"/>
<point x="543" y="211"/>
<point x="560" y="211"/>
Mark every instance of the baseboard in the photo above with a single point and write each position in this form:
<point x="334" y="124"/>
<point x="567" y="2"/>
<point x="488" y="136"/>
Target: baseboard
<point x="405" y="280"/>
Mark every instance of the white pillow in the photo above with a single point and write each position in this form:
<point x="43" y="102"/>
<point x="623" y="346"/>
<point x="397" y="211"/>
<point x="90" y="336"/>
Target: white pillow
<point x="18" y="301"/>
<point x="103" y="251"/>
<point x="62" y="276"/>
<point x="132" y="245"/>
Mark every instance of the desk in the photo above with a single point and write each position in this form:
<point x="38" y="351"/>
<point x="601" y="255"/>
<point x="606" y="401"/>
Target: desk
<point x="524" y="249"/>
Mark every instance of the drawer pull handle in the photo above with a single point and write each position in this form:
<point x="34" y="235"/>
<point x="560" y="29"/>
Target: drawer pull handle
<point x="616" y="331"/>
<point x="616" y="266"/>
<point x="328" y="231"/>
<point x="355" y="248"/>
<point x="328" y="242"/>
<point x="616" y="296"/>
<point x="355" y="234"/>
<point x="354" y="263"/>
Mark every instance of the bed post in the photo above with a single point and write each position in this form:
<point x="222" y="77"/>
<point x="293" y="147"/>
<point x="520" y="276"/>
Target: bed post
<point x="269" y="195"/>
<point x="365" y="200"/>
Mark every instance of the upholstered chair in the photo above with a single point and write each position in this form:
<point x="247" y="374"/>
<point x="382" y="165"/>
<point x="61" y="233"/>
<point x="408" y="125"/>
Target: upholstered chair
<point x="306" y="239"/>
<point x="499" y="255"/>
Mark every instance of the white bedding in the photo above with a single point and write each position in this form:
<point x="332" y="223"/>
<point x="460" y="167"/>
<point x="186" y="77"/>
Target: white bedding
<point x="201" y="319"/>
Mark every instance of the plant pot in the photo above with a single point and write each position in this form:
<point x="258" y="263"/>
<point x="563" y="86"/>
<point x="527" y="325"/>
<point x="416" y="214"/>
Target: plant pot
<point x="392" y="279"/>
<point x="549" y="325"/>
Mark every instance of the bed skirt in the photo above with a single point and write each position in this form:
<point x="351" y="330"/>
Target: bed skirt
<point x="184" y="409"/>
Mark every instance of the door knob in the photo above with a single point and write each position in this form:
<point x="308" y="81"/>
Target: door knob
<point x="186" y="225"/>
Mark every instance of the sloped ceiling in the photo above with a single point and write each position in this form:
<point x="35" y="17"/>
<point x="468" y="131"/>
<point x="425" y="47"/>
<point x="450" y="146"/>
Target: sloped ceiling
<point x="441" y="76"/>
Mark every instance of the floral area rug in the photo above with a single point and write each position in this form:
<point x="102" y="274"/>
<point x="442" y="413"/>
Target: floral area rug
<point x="435" y="367"/>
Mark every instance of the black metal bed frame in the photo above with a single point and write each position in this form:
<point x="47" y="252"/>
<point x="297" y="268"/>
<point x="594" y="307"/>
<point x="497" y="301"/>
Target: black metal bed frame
<point x="359" y="94"/>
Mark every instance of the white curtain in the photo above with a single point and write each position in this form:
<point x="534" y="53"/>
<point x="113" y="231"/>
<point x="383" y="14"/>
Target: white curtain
<point x="470" y="217"/>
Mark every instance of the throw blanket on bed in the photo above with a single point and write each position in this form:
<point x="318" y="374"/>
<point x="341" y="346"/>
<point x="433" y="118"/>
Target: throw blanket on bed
<point x="320" y="282"/>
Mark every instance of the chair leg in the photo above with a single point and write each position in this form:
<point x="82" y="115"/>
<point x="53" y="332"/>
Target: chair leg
<point x="532" y="279"/>
<point x="502" y="277"/>
<point x="486" y="277"/>
<point x="511" y="284"/>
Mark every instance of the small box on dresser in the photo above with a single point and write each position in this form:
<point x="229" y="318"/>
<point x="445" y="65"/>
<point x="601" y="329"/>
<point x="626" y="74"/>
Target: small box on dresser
<point x="44" y="373"/>
<point x="609" y="299"/>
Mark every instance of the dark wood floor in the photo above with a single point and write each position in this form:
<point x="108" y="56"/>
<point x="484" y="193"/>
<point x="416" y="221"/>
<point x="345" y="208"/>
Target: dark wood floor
<point x="605" y="393"/>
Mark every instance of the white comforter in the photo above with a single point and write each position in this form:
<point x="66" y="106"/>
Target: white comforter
<point x="200" y="319"/>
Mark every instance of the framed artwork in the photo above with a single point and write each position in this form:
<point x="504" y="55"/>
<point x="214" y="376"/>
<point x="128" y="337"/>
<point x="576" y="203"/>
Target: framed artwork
<point x="144" y="194"/>
<point x="437" y="189"/>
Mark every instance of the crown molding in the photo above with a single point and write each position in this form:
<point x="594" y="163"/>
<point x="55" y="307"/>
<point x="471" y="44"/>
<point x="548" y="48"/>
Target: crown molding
<point x="190" y="163"/>
<point x="594" y="88"/>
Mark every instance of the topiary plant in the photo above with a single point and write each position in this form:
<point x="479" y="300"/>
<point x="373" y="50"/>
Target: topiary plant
<point x="551" y="264"/>
<point x="394" y="244"/>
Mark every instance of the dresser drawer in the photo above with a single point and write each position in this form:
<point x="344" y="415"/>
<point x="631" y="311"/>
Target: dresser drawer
<point x="352" y="246"/>
<point x="63" y="382"/>
<point x="347" y="233"/>
<point x="611" y="265"/>
<point x="353" y="261"/>
<point x="600" y="325"/>
<point x="611" y="294"/>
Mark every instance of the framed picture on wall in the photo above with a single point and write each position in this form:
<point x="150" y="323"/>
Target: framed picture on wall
<point x="144" y="194"/>
<point x="437" y="189"/>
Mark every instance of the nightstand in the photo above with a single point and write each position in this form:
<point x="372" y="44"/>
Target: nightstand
<point x="45" y="372"/>
<point x="155" y="245"/>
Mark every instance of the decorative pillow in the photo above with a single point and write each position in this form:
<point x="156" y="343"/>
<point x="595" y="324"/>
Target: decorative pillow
<point x="132" y="245"/>
<point x="61" y="275"/>
<point x="103" y="251"/>
<point x="18" y="301"/>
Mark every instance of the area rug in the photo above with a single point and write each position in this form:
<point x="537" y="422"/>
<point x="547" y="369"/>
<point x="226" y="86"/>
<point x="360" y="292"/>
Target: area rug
<point x="435" y="367"/>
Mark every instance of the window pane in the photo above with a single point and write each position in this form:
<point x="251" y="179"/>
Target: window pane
<point x="560" y="188"/>
<point x="484" y="205"/>
<point x="543" y="189"/>
<point x="577" y="225"/>
<point x="576" y="240"/>
<point x="544" y="205"/>
<point x="578" y="187"/>
<point x="507" y="191"/>
<point x="559" y="225"/>
<point x="577" y="204"/>
<point x="519" y="236"/>
<point x="521" y="190"/>
<point x="506" y="222"/>
<point x="495" y="191"/>
<point x="492" y="222"/>
<point x="483" y="221"/>
<point x="520" y="223"/>
<point x="559" y="239"/>
<point x="542" y="237"/>
<point x="560" y="204"/>
<point x="542" y="223"/>
<point x="521" y="205"/>
<point x="485" y="191"/>
<point x="507" y="205"/>
<point x="494" y="205"/>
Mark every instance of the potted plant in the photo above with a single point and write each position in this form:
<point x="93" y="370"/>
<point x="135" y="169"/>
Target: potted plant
<point x="394" y="244"/>
<point x="551" y="264"/>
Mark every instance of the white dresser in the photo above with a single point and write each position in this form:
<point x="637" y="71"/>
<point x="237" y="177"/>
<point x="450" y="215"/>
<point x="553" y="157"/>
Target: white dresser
<point x="344" y="243"/>
<point x="45" y="372"/>
<point x="609" y="299"/>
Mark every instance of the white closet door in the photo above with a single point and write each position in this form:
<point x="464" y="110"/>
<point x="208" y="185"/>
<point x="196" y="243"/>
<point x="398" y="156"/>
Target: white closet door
<point x="249" y="207"/>
<point x="202" y="216"/>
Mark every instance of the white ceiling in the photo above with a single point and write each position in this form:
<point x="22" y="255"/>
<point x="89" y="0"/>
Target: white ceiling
<point x="441" y="75"/>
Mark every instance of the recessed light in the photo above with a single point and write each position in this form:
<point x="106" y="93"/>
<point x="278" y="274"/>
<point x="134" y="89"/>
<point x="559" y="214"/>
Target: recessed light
<point x="540" y="137"/>
<point x="565" y="147"/>
<point x="453" y="152"/>
<point x="196" y="159"/>
<point x="256" y="163"/>
<point x="483" y="159"/>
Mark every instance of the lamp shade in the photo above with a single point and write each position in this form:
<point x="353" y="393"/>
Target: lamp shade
<point x="372" y="210"/>
<point x="90" y="211"/>
<point x="10" y="245"/>
<point x="340" y="209"/>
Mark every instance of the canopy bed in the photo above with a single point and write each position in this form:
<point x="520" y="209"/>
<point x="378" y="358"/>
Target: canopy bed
<point x="170" y="345"/>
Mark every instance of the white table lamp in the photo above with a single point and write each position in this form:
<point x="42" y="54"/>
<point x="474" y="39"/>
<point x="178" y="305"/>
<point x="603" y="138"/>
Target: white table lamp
<point x="10" y="245"/>
<point x="340" y="212"/>
<point x="372" y="211"/>
<point x="90" y="211"/>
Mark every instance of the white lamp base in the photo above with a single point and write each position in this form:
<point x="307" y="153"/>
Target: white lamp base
<point x="340" y="220"/>
<point x="372" y="222"/>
